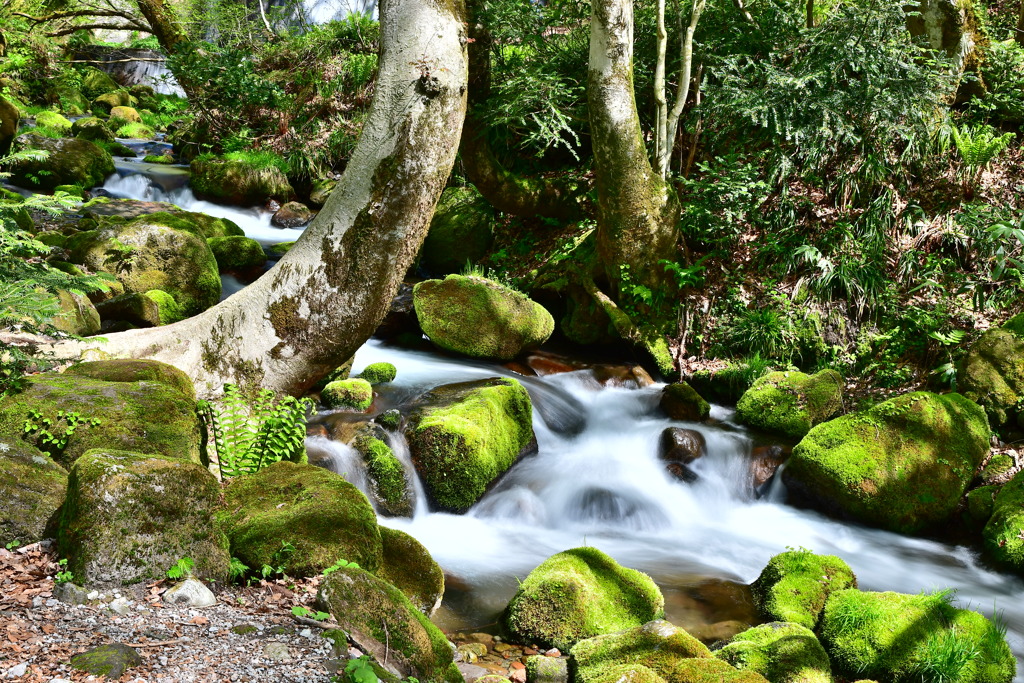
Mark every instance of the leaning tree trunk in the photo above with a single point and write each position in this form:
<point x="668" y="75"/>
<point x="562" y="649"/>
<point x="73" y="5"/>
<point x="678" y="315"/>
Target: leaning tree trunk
<point x="328" y="294"/>
<point x="637" y="210"/>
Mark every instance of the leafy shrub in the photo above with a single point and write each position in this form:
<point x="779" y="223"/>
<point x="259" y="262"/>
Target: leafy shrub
<point x="1003" y="73"/>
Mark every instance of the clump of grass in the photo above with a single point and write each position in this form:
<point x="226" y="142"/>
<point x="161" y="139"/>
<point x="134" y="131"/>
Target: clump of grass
<point x="135" y="130"/>
<point x="947" y="656"/>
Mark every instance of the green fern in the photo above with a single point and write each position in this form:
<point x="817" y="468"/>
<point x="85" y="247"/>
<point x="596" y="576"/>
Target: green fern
<point x="978" y="146"/>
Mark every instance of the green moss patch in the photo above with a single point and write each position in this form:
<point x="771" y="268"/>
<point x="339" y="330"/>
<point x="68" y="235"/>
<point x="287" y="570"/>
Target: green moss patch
<point x="124" y="370"/>
<point x="409" y="567"/>
<point x="379" y="373"/>
<point x="781" y="652"/>
<point x="1005" y="527"/>
<point x="32" y="488"/>
<point x="794" y="586"/>
<point x="579" y="594"/>
<point x="237" y="253"/>
<point x="992" y="373"/>
<point x="790" y="403"/>
<point x="348" y="393"/>
<point x="656" y="648"/>
<point x="391" y="492"/>
<point x="680" y="401"/>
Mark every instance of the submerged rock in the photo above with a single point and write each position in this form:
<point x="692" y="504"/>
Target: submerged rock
<point x="480" y="318"/>
<point x="794" y="586"/>
<point x="70" y="161"/>
<point x="898" y="637"/>
<point x="32" y="488"/>
<point x="781" y="652"/>
<point x="579" y="594"/>
<point x="128" y="517"/>
<point x="464" y="436"/>
<point x="790" y="403"/>
<point x="902" y="465"/>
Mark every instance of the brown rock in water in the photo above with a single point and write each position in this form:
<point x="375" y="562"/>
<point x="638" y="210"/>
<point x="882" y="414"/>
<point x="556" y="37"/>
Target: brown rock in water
<point x="547" y="364"/>
<point x="682" y="445"/>
<point x="765" y="461"/>
<point x="681" y="472"/>
<point x="630" y="376"/>
<point x="292" y="215"/>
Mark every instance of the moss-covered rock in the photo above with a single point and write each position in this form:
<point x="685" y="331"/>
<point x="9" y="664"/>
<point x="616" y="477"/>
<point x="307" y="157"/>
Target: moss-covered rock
<point x="109" y="661"/>
<point x="10" y="117"/>
<point x="124" y="370"/>
<point x="409" y="567"/>
<point x="790" y="403"/>
<point x="292" y="215"/>
<point x="348" y="393"/>
<point x="794" y="586"/>
<point x="981" y="503"/>
<point x="321" y="191"/>
<point x="391" y="493"/>
<point x="323" y="516"/>
<point x="992" y="372"/>
<point x="77" y="314"/>
<point x="541" y="669"/>
<point x="464" y="436"/>
<point x="480" y="318"/>
<point x="128" y="517"/>
<point x="73" y="190"/>
<point x="104" y="211"/>
<point x="461" y="231"/>
<point x="902" y="465"/>
<point x="238" y="182"/>
<point x="237" y="253"/>
<point x="897" y="637"/>
<point x="389" y="419"/>
<point x="680" y="401"/>
<point x="724" y="385"/>
<point x="70" y="161"/>
<point x="579" y="594"/>
<point x="68" y="97"/>
<point x="379" y="373"/>
<point x="122" y="115"/>
<point x="102" y="105"/>
<point x="164" y="159"/>
<point x="652" y="652"/>
<point x="134" y="308"/>
<point x="96" y="82"/>
<point x="1004" y="531"/>
<point x="157" y="251"/>
<point x="92" y="128"/>
<point x="387" y="626"/>
<point x="53" y="121"/>
<point x="997" y="467"/>
<point x="781" y="652"/>
<point x="167" y="308"/>
<point x="32" y="490"/>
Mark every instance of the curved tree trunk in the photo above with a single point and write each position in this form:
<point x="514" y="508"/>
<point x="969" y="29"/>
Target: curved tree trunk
<point x="328" y="294"/>
<point x="505" y="190"/>
<point x="637" y="210"/>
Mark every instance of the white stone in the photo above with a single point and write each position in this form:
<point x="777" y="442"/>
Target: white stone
<point x="17" y="671"/>
<point x="120" y="606"/>
<point x="277" y="652"/>
<point x="191" y="592"/>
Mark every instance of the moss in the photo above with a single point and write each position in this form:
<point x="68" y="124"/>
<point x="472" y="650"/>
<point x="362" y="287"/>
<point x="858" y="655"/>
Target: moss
<point x="461" y="231"/>
<point x="238" y="182"/>
<point x="480" y="318"/>
<point x="122" y="115"/>
<point x="680" y="401"/>
<point x="794" y="586"/>
<point x="790" y="403"/>
<point x="123" y="370"/>
<point x="70" y="161"/>
<point x="410" y="568"/>
<point x="1005" y="528"/>
<point x="389" y="419"/>
<point x="998" y="465"/>
<point x="128" y="517"/>
<point x="981" y="505"/>
<point x="725" y="385"/>
<point x="105" y="103"/>
<point x="897" y="637"/>
<point x="93" y="129"/>
<point x="140" y="416"/>
<point x="387" y="476"/>
<point x="387" y="626"/>
<point x="541" y="669"/>
<point x="281" y="248"/>
<point x="53" y="121"/>
<point x="237" y="253"/>
<point x="73" y="190"/>
<point x="464" y="436"/>
<point x="348" y="393"/>
<point x="32" y="490"/>
<point x="579" y="594"/>
<point x="78" y="315"/>
<point x="781" y="652"/>
<point x="902" y="465"/>
<point x="379" y="373"/>
<point x="322" y="515"/>
<point x="158" y="159"/>
<point x="96" y="82"/>
<point x="110" y="661"/>
<point x="657" y="647"/>
<point x="992" y="372"/>
<point x="169" y="310"/>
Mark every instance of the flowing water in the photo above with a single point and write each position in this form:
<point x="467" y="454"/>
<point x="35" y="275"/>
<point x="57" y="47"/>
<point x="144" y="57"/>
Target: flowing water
<point x="597" y="480"/>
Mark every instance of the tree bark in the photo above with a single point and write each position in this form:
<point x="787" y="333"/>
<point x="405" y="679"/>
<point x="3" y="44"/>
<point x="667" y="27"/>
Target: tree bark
<point x="164" y="23"/>
<point x="320" y="303"/>
<point x="1019" y="35"/>
<point x="637" y="211"/>
<point x="506" y="191"/>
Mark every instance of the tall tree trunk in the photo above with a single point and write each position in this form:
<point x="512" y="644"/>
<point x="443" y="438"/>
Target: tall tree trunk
<point x="637" y="210"/>
<point x="164" y="22"/>
<point x="331" y="291"/>
<point x="1019" y="35"/>
<point x="506" y="191"/>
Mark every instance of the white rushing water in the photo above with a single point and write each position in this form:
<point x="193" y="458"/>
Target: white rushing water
<point x="597" y="481"/>
<point x="140" y="181"/>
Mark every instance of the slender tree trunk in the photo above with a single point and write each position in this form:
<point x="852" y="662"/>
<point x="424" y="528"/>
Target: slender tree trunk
<point x="671" y="126"/>
<point x="506" y="191"/>
<point x="810" y="13"/>
<point x="637" y="210"/>
<point x="1019" y="35"/>
<point x="329" y="293"/>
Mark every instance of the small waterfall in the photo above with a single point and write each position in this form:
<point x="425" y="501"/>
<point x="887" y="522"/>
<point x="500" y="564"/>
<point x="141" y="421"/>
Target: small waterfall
<point x="400" y="447"/>
<point x="340" y="459"/>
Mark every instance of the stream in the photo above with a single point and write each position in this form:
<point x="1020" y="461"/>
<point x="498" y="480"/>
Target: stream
<point x="597" y="480"/>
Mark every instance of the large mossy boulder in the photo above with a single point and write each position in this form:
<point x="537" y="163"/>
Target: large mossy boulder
<point x="319" y="513"/>
<point x="409" y="566"/>
<point x="238" y="182"/>
<point x="461" y="231"/>
<point x="103" y="211"/>
<point x="794" y="586"/>
<point x="902" y="465"/>
<point x="140" y="416"/>
<point x="160" y="251"/>
<point x="383" y="623"/>
<point x="128" y="517"/>
<point x="69" y="161"/>
<point x="655" y="652"/>
<point x="579" y="594"/>
<point x="9" y="119"/>
<point x="237" y="253"/>
<point x="32" y="490"/>
<point x="902" y="638"/>
<point x="790" y="403"/>
<point x="126" y="370"/>
<point x="992" y="373"/>
<point x="480" y="318"/>
<point x="781" y="652"/>
<point x="96" y="82"/>
<point x="1004" y="531"/>
<point x="92" y="128"/>
<point x="77" y="314"/>
<point x="464" y="436"/>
